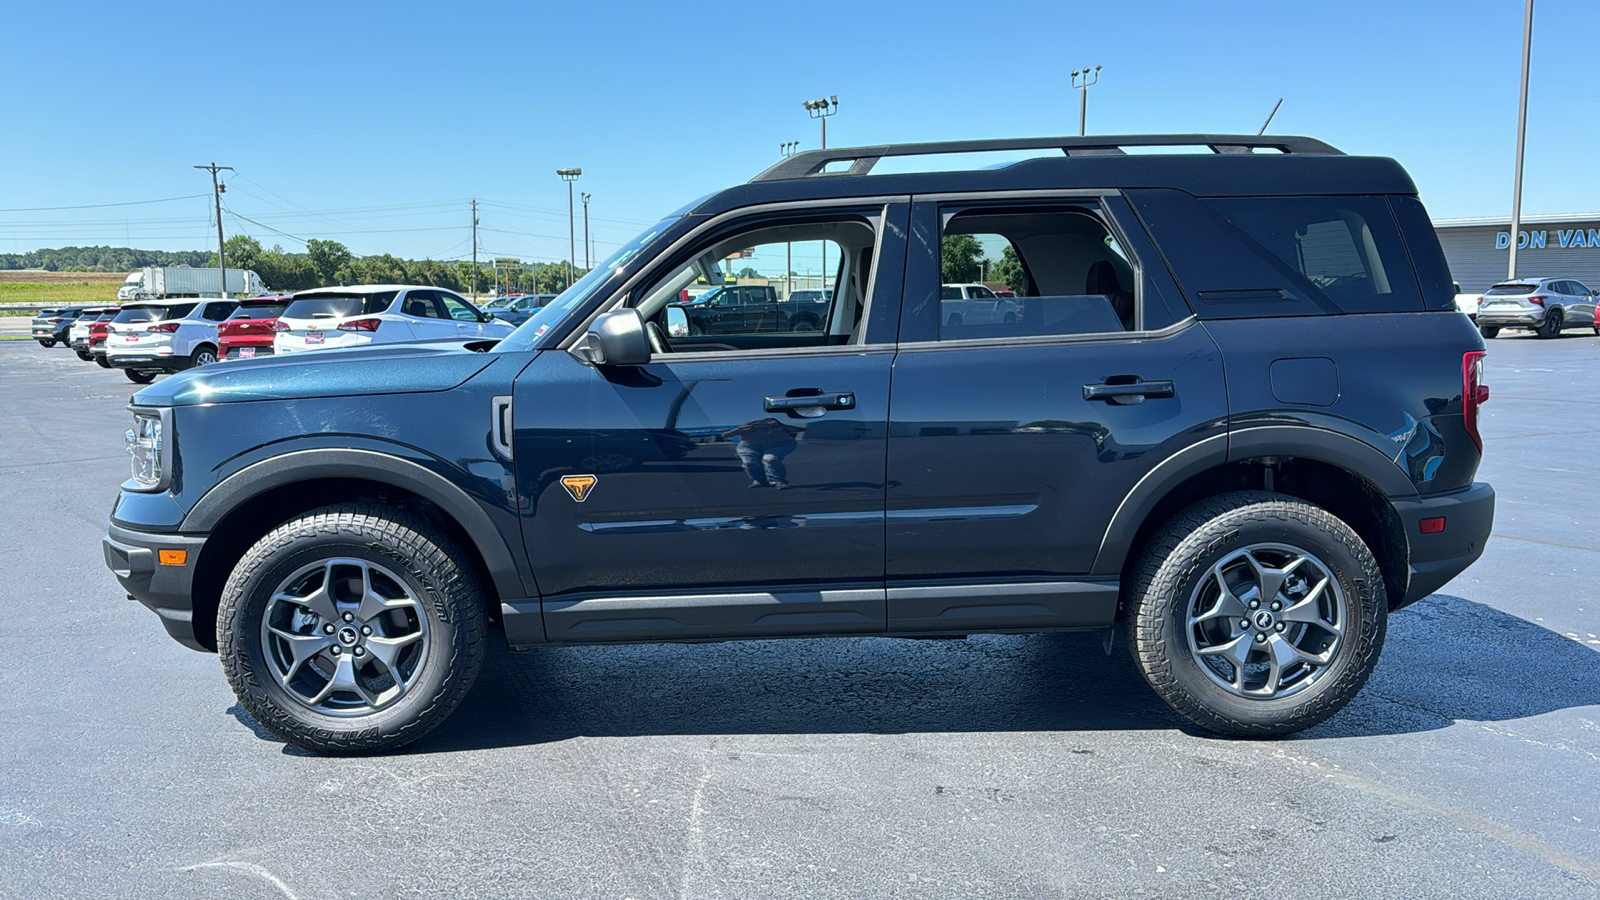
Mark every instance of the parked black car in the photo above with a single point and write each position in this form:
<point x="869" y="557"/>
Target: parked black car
<point x="51" y="325"/>
<point x="1235" y="421"/>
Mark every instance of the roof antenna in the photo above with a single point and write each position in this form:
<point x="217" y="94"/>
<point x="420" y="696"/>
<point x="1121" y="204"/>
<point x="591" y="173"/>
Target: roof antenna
<point x="1270" y="115"/>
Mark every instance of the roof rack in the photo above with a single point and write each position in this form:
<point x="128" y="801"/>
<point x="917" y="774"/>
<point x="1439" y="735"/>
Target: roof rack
<point x="862" y="159"/>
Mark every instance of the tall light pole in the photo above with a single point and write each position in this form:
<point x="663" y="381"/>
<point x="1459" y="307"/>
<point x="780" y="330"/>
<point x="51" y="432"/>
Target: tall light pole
<point x="569" y="176"/>
<point x="585" y="198"/>
<point x="218" y="187"/>
<point x="1082" y="80"/>
<point x="788" y="149"/>
<point x="821" y="108"/>
<point x="1522" y="139"/>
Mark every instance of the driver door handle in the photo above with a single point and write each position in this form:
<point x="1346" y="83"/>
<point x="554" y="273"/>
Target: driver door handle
<point x="843" y="400"/>
<point x="1128" y="391"/>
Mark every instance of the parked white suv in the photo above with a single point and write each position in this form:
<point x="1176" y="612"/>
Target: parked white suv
<point x="324" y="318"/>
<point x="165" y="336"/>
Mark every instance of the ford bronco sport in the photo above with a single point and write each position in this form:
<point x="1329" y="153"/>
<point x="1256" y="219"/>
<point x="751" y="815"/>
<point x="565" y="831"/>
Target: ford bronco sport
<point x="1234" y="420"/>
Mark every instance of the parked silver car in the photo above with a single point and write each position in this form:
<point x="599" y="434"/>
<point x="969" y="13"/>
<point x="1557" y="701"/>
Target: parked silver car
<point x="1542" y="305"/>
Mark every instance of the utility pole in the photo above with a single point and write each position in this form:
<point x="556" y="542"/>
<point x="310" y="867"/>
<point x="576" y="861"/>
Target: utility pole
<point x="218" y="187"/>
<point x="474" y="251"/>
<point x="585" y="233"/>
<point x="569" y="176"/>
<point x="1522" y="139"/>
<point x="1082" y="80"/>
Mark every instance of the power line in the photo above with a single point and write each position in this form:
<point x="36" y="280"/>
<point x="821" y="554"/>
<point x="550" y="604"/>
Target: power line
<point x="102" y="205"/>
<point x="259" y="225"/>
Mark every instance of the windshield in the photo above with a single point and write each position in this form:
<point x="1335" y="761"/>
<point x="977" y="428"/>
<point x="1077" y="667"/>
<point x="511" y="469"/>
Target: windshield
<point x="529" y="334"/>
<point x="333" y="306"/>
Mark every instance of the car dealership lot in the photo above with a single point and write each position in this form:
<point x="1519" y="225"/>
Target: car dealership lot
<point x="994" y="766"/>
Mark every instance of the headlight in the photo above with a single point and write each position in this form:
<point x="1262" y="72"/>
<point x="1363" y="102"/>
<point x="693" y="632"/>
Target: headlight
<point x="148" y="445"/>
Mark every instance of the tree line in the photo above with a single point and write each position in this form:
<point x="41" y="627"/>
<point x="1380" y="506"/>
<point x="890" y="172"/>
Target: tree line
<point x="100" y="259"/>
<point x="962" y="260"/>
<point x="322" y="264"/>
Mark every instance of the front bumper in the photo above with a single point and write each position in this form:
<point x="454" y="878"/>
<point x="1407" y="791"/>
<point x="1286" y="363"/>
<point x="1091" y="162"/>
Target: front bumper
<point x="133" y="556"/>
<point x="1436" y="558"/>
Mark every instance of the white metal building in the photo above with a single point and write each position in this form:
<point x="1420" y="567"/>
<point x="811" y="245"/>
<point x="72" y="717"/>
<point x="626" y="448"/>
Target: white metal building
<point x="1547" y="247"/>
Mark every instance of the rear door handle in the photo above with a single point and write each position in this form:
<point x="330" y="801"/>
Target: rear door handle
<point x="841" y="400"/>
<point x="1130" y="392"/>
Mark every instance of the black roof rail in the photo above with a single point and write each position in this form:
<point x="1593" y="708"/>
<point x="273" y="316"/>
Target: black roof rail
<point x="862" y="159"/>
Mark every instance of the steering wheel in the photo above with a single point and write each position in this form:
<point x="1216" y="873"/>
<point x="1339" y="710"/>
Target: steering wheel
<point x="658" y="338"/>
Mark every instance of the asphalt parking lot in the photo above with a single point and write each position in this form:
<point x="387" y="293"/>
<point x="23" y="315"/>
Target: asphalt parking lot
<point x="998" y="766"/>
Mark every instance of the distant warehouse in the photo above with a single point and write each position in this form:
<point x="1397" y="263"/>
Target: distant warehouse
<point x="1547" y="247"/>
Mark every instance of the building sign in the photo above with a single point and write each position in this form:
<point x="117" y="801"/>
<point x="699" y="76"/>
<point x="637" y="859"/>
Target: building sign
<point x="1566" y="238"/>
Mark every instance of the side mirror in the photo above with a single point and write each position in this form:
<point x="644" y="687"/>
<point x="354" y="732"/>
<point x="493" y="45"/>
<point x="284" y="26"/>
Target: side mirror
<point x="677" y="322"/>
<point x="615" y="339"/>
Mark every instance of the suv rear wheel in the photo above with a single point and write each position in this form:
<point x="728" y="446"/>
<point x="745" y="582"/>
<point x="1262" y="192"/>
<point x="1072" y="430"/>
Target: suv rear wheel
<point x="47" y="342"/>
<point x="1256" y="614"/>
<point x="1552" y="325"/>
<point x="1489" y="331"/>
<point x="204" y="355"/>
<point x="351" y="629"/>
<point x="138" y="377"/>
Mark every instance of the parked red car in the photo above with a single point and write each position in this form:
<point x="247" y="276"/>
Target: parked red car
<point x="98" y="329"/>
<point x="248" y="332"/>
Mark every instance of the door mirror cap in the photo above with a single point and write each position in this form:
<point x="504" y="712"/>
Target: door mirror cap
<point x="615" y="339"/>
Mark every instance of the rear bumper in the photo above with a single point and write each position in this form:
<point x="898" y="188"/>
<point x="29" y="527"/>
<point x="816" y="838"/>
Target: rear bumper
<point x="132" y="556"/>
<point x="231" y="351"/>
<point x="1436" y="558"/>
<point x="1509" y="319"/>
<point x="147" y="362"/>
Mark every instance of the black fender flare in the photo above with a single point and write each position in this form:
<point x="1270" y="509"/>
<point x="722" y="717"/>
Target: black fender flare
<point x="1300" y="441"/>
<point x="368" y="465"/>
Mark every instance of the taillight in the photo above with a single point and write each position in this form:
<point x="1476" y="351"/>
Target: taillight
<point x="1474" y="393"/>
<point x="279" y="326"/>
<point x="168" y="327"/>
<point x="1538" y="301"/>
<point x="361" y="325"/>
<point x="54" y="321"/>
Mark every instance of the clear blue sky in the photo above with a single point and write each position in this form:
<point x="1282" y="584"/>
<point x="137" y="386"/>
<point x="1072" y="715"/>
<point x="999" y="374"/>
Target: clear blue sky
<point x="374" y="123"/>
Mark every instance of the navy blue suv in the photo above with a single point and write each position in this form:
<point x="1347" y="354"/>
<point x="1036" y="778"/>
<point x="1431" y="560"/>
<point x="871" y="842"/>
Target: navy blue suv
<point x="1234" y="419"/>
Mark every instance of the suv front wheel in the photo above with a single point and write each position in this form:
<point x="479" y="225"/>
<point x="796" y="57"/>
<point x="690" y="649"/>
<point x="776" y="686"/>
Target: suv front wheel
<point x="1256" y="614"/>
<point x="351" y="629"/>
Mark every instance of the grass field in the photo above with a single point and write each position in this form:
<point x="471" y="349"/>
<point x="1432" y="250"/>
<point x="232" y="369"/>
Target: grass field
<point x="59" y="293"/>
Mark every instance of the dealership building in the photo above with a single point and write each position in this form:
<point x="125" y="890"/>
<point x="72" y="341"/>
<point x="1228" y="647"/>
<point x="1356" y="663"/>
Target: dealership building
<point x="1547" y="247"/>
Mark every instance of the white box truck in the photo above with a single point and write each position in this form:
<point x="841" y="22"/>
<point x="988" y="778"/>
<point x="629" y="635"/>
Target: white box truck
<point x="160" y="282"/>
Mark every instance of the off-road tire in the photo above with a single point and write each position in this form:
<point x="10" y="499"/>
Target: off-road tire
<point x="1183" y="550"/>
<point x="405" y="543"/>
<point x="1551" y="327"/>
<point x="138" y="377"/>
<point x="1489" y="331"/>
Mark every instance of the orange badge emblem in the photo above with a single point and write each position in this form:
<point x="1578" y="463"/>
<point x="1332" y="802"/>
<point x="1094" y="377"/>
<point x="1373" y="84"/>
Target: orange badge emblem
<point x="579" y="486"/>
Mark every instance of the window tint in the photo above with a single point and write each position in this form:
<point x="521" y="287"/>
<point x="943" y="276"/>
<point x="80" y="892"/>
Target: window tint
<point x="258" y="312"/>
<point x="803" y="285"/>
<point x="1344" y="252"/>
<point x="457" y="308"/>
<point x="1579" y="288"/>
<point x="421" y="304"/>
<point x="1510" y="289"/>
<point x="338" y="306"/>
<point x="1068" y="275"/>
<point x="216" y="312"/>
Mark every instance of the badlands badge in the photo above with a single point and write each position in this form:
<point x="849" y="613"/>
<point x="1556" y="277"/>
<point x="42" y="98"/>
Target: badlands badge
<point x="579" y="486"/>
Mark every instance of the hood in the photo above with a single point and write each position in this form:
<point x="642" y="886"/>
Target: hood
<point x="358" y="371"/>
